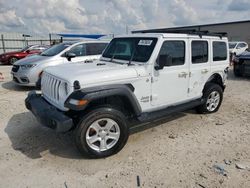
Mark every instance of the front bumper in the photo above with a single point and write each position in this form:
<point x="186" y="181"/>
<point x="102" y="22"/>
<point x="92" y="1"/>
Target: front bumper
<point x="23" y="79"/>
<point x="47" y="114"/>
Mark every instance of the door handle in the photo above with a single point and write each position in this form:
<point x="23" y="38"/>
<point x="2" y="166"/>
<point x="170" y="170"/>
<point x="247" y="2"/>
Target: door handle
<point x="183" y="74"/>
<point x="88" y="61"/>
<point x="204" y="71"/>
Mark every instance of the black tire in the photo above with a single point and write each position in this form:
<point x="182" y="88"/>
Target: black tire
<point x="93" y="116"/>
<point x="208" y="90"/>
<point x="13" y="60"/>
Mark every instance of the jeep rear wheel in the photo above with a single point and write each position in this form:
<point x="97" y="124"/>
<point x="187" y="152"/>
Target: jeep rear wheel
<point x="101" y="133"/>
<point x="212" y="96"/>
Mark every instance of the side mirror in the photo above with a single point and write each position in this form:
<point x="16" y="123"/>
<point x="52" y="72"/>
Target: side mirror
<point x="69" y="55"/>
<point x="163" y="61"/>
<point x="28" y="51"/>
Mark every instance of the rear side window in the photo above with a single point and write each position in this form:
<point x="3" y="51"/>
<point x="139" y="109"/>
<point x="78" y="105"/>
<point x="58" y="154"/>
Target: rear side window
<point x="199" y="52"/>
<point x="219" y="51"/>
<point x="95" y="48"/>
<point x="175" y="50"/>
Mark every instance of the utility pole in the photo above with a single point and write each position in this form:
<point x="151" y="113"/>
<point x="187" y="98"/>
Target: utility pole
<point x="3" y="45"/>
<point x="49" y="38"/>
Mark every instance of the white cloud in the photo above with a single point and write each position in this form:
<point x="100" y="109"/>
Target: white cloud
<point x="112" y="16"/>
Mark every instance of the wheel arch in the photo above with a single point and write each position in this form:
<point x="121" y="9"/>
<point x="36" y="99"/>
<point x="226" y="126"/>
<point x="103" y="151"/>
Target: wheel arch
<point x="120" y="96"/>
<point x="216" y="78"/>
<point x="14" y="56"/>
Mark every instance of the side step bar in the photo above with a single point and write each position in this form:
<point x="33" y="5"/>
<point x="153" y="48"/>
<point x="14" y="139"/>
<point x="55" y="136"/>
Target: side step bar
<point x="151" y="116"/>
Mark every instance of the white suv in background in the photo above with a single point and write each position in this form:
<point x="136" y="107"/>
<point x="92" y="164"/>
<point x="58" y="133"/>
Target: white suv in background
<point x="27" y="71"/>
<point x="237" y="48"/>
<point x="138" y="79"/>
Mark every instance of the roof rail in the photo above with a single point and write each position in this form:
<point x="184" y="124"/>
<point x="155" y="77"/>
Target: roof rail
<point x="188" y="31"/>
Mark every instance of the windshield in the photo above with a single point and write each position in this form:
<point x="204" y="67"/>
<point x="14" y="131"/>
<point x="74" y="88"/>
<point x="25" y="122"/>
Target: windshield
<point x="54" y="50"/>
<point x="232" y="45"/>
<point x="130" y="49"/>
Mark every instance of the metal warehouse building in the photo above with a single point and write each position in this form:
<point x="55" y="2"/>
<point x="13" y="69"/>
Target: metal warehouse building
<point x="237" y="31"/>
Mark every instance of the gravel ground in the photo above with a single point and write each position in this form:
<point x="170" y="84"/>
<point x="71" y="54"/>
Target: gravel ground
<point x="184" y="150"/>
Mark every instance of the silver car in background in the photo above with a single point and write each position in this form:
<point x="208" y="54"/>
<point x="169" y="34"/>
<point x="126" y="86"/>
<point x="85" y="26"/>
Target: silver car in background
<point x="27" y="71"/>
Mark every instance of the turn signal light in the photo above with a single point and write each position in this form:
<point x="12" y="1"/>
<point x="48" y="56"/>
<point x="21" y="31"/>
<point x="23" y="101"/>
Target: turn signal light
<point x="75" y="102"/>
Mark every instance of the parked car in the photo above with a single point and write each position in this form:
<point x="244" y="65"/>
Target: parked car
<point x="139" y="78"/>
<point x="242" y="64"/>
<point x="237" y="48"/>
<point x="10" y="58"/>
<point x="27" y="72"/>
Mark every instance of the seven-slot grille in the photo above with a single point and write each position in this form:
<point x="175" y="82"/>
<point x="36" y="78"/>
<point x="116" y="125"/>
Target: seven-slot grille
<point x="51" y="86"/>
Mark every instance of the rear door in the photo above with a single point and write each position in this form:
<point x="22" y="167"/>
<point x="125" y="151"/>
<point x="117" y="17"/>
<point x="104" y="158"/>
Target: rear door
<point x="199" y="66"/>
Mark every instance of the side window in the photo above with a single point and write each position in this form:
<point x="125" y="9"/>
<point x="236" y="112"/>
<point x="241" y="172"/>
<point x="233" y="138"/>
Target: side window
<point x="241" y="45"/>
<point x="199" y="52"/>
<point x="79" y="50"/>
<point x="32" y="48"/>
<point x="219" y="51"/>
<point x="175" y="51"/>
<point x="95" y="48"/>
<point x="35" y="48"/>
<point x="42" y="47"/>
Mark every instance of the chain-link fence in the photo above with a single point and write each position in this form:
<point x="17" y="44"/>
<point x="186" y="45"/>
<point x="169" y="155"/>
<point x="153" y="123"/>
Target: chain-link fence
<point x="16" y="41"/>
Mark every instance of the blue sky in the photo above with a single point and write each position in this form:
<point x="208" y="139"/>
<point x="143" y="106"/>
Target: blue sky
<point x="112" y="16"/>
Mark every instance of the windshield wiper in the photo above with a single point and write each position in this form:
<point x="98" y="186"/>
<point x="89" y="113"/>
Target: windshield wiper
<point x="132" y="56"/>
<point x="113" y="56"/>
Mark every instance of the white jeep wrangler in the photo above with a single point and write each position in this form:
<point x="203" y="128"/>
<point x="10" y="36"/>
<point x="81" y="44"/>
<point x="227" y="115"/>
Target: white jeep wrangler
<point x="139" y="78"/>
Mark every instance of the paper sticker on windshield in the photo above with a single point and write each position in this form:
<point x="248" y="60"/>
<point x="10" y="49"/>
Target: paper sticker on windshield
<point x="145" y="42"/>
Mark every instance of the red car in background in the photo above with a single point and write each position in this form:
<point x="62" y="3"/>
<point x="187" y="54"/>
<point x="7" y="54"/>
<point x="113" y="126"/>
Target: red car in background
<point x="9" y="58"/>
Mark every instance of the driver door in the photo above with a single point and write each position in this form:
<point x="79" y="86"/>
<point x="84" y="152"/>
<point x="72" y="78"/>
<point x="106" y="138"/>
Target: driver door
<point x="170" y="84"/>
<point x="80" y="52"/>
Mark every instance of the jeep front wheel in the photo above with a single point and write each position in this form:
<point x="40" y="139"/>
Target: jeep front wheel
<point x="101" y="133"/>
<point x="212" y="96"/>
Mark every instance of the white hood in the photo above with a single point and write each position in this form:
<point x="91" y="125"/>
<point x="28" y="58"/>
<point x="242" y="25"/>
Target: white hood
<point x="93" y="73"/>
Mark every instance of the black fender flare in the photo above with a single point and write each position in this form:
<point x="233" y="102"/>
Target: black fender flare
<point x="218" y="79"/>
<point x="99" y="92"/>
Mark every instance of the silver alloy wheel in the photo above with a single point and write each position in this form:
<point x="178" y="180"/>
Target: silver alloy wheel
<point x="13" y="60"/>
<point x="102" y="134"/>
<point x="213" y="101"/>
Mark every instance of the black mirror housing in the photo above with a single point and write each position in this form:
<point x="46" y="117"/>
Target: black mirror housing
<point x="69" y="55"/>
<point x="163" y="61"/>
